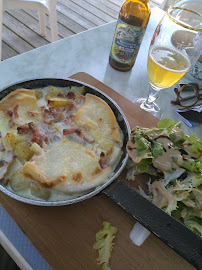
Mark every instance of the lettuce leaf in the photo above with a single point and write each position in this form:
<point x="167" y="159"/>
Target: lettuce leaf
<point x="157" y="149"/>
<point x="194" y="224"/>
<point x="198" y="166"/>
<point x="104" y="244"/>
<point x="188" y="164"/>
<point x="196" y="144"/>
<point x="196" y="181"/>
<point x="166" y="123"/>
<point x="142" y="146"/>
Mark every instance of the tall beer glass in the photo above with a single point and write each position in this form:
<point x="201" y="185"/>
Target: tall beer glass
<point x="175" y="48"/>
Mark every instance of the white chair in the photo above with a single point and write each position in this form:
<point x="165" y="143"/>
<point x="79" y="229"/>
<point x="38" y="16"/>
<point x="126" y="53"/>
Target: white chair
<point x="42" y="6"/>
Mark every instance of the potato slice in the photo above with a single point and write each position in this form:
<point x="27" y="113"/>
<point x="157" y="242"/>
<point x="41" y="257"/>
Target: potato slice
<point x="55" y="91"/>
<point x="19" y="182"/>
<point x="49" y="96"/>
<point x="20" y="138"/>
<point x="77" y="90"/>
<point x="38" y="94"/>
<point x="58" y="102"/>
<point x="9" y="140"/>
<point x="39" y="192"/>
<point x="106" y="146"/>
<point x="14" y="166"/>
<point x="23" y="151"/>
<point x="36" y="148"/>
<point x="12" y="140"/>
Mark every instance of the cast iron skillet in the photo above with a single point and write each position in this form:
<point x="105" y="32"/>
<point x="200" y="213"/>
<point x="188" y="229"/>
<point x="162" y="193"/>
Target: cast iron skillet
<point x="121" y="119"/>
<point x="169" y="230"/>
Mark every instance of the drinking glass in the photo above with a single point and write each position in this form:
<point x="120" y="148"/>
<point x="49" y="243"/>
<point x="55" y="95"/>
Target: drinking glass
<point x="174" y="50"/>
<point x="196" y="71"/>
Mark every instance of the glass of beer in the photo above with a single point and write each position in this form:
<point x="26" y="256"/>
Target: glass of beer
<point x="174" y="50"/>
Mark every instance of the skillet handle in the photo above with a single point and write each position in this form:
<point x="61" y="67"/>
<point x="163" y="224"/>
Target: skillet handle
<point x="169" y="230"/>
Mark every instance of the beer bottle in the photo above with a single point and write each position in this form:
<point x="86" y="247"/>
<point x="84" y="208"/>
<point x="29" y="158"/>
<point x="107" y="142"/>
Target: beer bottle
<point x="132" y="22"/>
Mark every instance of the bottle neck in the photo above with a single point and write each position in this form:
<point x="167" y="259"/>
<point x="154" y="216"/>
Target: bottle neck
<point x="135" y="12"/>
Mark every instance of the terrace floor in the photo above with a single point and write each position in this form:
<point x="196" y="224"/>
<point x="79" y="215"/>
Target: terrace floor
<point x="21" y="31"/>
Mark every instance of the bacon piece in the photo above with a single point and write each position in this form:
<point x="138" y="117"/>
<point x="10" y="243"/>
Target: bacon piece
<point x="61" y="95"/>
<point x="71" y="95"/>
<point x="30" y="129"/>
<point x="68" y="131"/>
<point x="32" y="114"/>
<point x="15" y="112"/>
<point x="72" y="116"/>
<point x="3" y="163"/>
<point x="83" y="98"/>
<point x="77" y="131"/>
<point x="52" y="115"/>
<point x="103" y="160"/>
<point x="13" y="115"/>
<point x="70" y="106"/>
<point x="70" y="119"/>
<point x="8" y="113"/>
<point x="25" y="129"/>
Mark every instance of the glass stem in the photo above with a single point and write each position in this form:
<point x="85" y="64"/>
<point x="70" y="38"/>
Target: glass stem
<point x="153" y="95"/>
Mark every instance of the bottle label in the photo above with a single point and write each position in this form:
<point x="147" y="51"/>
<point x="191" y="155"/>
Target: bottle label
<point x="126" y="43"/>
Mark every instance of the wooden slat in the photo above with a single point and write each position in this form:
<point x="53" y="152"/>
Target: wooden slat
<point x="7" y="51"/>
<point x="69" y="23"/>
<point x="106" y="6"/>
<point x="14" y="41"/>
<point x="117" y="2"/>
<point x="23" y="31"/>
<point x="83" y="21"/>
<point x="62" y="31"/>
<point x="97" y="9"/>
<point x="30" y="21"/>
<point x="83" y="11"/>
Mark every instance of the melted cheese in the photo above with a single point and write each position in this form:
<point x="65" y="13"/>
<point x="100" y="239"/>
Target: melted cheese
<point x="98" y="119"/>
<point x="27" y="110"/>
<point x="76" y="169"/>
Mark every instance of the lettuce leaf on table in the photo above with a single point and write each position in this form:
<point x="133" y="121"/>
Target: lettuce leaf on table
<point x="104" y="244"/>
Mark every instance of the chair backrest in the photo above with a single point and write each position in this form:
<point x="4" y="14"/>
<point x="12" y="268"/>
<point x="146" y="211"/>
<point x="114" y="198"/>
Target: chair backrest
<point x="28" y="4"/>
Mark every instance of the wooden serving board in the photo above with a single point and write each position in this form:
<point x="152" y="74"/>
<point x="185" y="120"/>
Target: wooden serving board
<point x="64" y="235"/>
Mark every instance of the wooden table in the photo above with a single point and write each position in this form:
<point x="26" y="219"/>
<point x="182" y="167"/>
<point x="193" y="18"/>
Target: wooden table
<point x="64" y="236"/>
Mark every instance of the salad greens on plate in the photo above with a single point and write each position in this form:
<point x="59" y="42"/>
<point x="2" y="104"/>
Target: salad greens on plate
<point x="174" y="162"/>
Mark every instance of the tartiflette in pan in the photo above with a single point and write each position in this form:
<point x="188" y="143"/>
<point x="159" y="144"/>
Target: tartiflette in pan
<point x="56" y="142"/>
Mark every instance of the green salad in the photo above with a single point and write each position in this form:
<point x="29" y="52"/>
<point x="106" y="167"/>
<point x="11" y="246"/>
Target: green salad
<point x="174" y="162"/>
